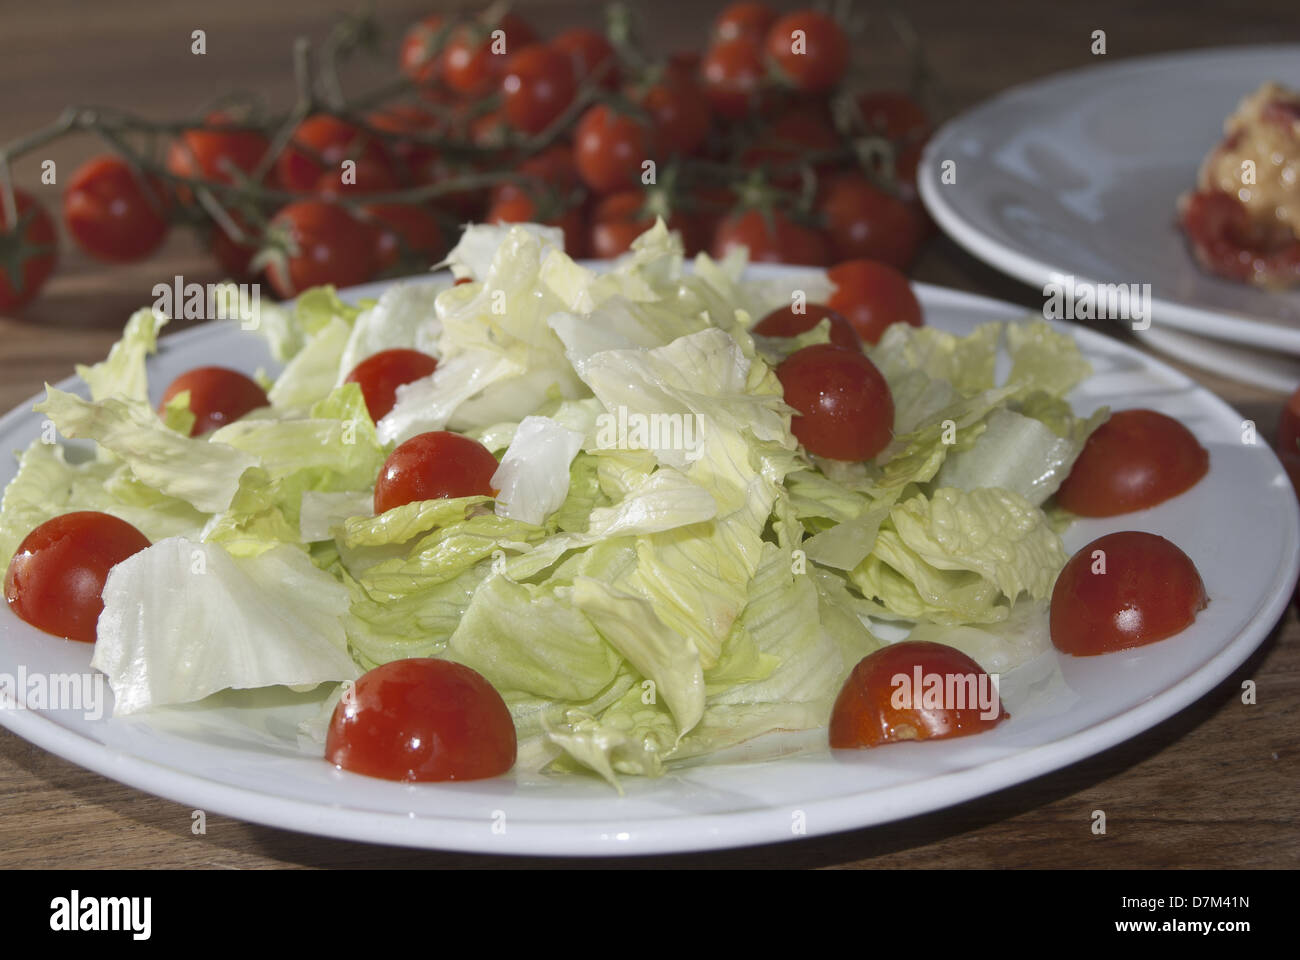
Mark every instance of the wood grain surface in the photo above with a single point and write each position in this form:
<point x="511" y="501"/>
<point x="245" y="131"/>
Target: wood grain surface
<point x="1215" y="786"/>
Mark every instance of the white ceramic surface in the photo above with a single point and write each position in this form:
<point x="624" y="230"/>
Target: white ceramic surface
<point x="1078" y="175"/>
<point x="238" y="754"/>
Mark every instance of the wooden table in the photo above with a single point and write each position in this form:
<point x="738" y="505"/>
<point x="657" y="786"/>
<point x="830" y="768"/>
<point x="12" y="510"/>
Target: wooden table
<point x="1212" y="787"/>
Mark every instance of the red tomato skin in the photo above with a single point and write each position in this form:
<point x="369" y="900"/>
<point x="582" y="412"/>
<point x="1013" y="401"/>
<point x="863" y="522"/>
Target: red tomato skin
<point x="784" y="322"/>
<point x="681" y="116"/>
<point x="56" y="577"/>
<point x="400" y="223"/>
<point x="205" y="153"/>
<point x="784" y="241"/>
<point x="588" y="51"/>
<point x="111" y="213"/>
<point x="433" y="466"/>
<point x="820" y="67"/>
<point x="744" y="18"/>
<point x="515" y="207"/>
<point x="1150" y="590"/>
<point x="609" y="149"/>
<point x="864" y="714"/>
<point x="733" y="74"/>
<point x="418" y="62"/>
<point x="845" y="410"/>
<point x="218" y="396"/>
<point x="469" y="64"/>
<point x="1135" y="460"/>
<point x="33" y="254"/>
<point x="537" y="87"/>
<point x="380" y="374"/>
<point x="871" y="296"/>
<point x="866" y="223"/>
<point x="318" y="148"/>
<point x="894" y="115"/>
<point x="422" y="720"/>
<point x="333" y="247"/>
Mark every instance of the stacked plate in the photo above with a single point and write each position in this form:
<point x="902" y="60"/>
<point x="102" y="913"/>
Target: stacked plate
<point x="1075" y="180"/>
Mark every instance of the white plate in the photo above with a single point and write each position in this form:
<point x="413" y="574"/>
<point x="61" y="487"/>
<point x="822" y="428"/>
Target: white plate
<point x="238" y="755"/>
<point x="1079" y="174"/>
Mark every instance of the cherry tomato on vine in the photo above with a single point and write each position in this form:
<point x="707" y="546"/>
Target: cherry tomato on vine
<point x="474" y="57"/>
<point x="418" y="162"/>
<point x="368" y="176"/>
<point x="1136" y="459"/>
<point x="771" y="239"/>
<point x="207" y="154"/>
<point x="733" y="73"/>
<point x="681" y="116"/>
<point x="551" y="210"/>
<point x="380" y="374"/>
<point x="319" y="146"/>
<point x="871" y="296"/>
<point x="788" y="143"/>
<point x="866" y="223"/>
<point x="747" y="19"/>
<point x="810" y="50"/>
<point x="537" y="87"/>
<point x="422" y="719"/>
<point x="56" y="577"/>
<point x="845" y="409"/>
<point x="418" y="58"/>
<point x="588" y="52"/>
<point x="609" y="149"/>
<point x="218" y="396"/>
<point x="880" y="703"/>
<point x="112" y="213"/>
<point x="784" y="322"/>
<point x="403" y="230"/>
<point x="1124" y="590"/>
<point x="893" y="115"/>
<point x="618" y="220"/>
<point x="433" y="466"/>
<point x="682" y="67"/>
<point x="28" y="251"/>
<point x="234" y="257"/>
<point x="324" y="244"/>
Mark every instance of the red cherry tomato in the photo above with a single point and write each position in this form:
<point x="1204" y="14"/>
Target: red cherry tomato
<point x="893" y="115"/>
<point x="809" y="49"/>
<point x="845" y="409"/>
<point x="681" y="116"/>
<point x="419" y="57"/>
<point x="865" y="223"/>
<point x="774" y="239"/>
<point x="746" y="19"/>
<point x="517" y="207"/>
<point x="422" y="720"/>
<point x="368" y="176"/>
<point x="475" y="55"/>
<point x="784" y="322"/>
<point x="433" y="466"/>
<point x="914" y="690"/>
<point x="235" y="258"/>
<point x="113" y="214"/>
<point x="319" y="146"/>
<point x="871" y="296"/>
<point x="381" y="374"/>
<point x="1124" y="590"/>
<point x="218" y="396"/>
<point x="56" y="577"/>
<point x="415" y="160"/>
<point x="327" y="245"/>
<point x="27" y="252"/>
<point x="787" y="143"/>
<point x="622" y="217"/>
<point x="589" y="53"/>
<point x="537" y="87"/>
<point x="1135" y="460"/>
<point x="206" y="154"/>
<point x="609" y="149"/>
<point x="404" y="232"/>
<point x="733" y="73"/>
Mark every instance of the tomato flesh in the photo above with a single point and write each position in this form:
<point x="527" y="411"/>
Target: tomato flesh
<point x="422" y="719"/>
<point x="1135" y="460"/>
<point x="218" y="396"/>
<point x="381" y="374"/>
<point x="914" y="690"/>
<point x="845" y="409"/>
<point x="1124" y="590"/>
<point x="56" y="577"/>
<point x="784" y="322"/>
<point x="432" y="466"/>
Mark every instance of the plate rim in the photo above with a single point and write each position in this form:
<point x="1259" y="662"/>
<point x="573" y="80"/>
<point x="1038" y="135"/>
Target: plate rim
<point x="690" y="833"/>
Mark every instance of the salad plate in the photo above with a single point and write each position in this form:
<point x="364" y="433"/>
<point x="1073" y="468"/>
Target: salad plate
<point x="1079" y="175"/>
<point x="243" y="753"/>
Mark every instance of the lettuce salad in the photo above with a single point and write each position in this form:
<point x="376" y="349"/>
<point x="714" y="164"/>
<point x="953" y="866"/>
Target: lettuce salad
<point x="640" y="597"/>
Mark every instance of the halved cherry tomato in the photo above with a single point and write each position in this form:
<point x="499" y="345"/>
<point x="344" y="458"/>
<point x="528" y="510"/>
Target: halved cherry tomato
<point x="866" y="223"/>
<point x="845" y="409"/>
<point x="537" y="87"/>
<point x="27" y="252"/>
<point x="432" y="466"/>
<point x="589" y="53"/>
<point x="809" y="49"/>
<point x="1124" y="590"/>
<point x="1136" y="459"/>
<point x="326" y="244"/>
<point x="871" y="296"/>
<point x="774" y="239"/>
<point x="914" y="690"/>
<point x="56" y="578"/>
<point x="112" y="213"/>
<point x="380" y="374"/>
<point x="218" y="396"/>
<point x="609" y="149"/>
<point x="422" y="720"/>
<point x="784" y="322"/>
